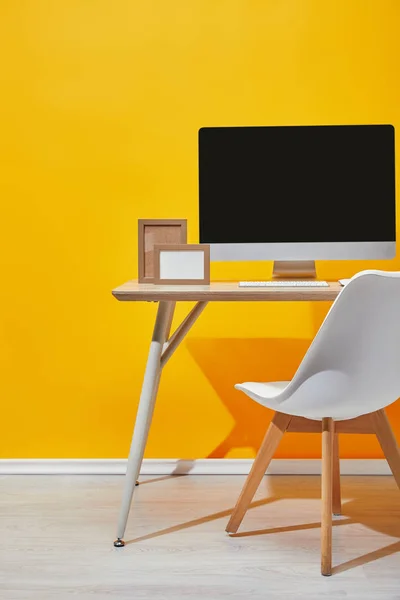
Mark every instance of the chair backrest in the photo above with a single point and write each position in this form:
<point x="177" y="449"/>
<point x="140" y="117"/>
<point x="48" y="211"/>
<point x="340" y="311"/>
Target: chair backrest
<point x="353" y="364"/>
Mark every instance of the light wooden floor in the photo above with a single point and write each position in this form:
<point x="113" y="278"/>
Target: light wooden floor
<point x="56" y="536"/>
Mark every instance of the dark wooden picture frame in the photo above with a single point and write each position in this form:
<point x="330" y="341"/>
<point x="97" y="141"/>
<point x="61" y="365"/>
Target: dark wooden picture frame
<point x="156" y="231"/>
<point x="205" y="248"/>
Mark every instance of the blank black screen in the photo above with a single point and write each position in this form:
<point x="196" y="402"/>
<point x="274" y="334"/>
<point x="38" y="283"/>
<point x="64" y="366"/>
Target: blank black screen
<point x="297" y="184"/>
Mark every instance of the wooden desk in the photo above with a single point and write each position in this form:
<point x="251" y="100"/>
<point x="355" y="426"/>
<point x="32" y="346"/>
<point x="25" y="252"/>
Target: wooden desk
<point x="224" y="291"/>
<point x="163" y="345"/>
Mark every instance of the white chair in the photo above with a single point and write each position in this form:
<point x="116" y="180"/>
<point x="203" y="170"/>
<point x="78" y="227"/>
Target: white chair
<point x="349" y="374"/>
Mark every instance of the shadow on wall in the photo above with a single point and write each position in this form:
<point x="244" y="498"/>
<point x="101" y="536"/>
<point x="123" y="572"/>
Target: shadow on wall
<point x="225" y="362"/>
<point x="228" y="361"/>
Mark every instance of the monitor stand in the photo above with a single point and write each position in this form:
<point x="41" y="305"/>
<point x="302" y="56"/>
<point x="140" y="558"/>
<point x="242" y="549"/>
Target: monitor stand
<point x="294" y="269"/>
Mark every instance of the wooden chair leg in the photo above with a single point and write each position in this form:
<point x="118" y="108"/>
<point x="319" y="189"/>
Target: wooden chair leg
<point x="388" y="443"/>
<point x="275" y="432"/>
<point x="326" y="489"/>
<point x="336" y="495"/>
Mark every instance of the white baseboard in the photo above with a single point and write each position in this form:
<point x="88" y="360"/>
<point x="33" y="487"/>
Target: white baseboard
<point x="173" y="466"/>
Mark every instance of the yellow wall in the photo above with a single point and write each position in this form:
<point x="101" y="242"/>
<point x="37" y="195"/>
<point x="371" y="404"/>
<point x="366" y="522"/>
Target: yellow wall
<point x="100" y="104"/>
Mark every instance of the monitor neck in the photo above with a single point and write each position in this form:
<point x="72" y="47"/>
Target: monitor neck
<point x="294" y="269"/>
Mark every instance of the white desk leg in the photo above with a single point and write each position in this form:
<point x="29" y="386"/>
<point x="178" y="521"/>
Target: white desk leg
<point x="145" y="412"/>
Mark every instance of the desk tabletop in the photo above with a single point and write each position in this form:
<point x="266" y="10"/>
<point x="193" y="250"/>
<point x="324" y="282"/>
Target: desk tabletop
<point x="222" y="291"/>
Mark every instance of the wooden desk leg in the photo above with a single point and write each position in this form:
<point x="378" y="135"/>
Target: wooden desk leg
<point x="145" y="412"/>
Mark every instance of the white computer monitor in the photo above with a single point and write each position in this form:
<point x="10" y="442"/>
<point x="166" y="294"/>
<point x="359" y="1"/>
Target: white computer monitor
<point x="297" y="193"/>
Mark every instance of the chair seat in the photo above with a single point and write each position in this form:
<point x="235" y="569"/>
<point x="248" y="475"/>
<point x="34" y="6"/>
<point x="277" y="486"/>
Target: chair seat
<point x="271" y="395"/>
<point x="267" y="394"/>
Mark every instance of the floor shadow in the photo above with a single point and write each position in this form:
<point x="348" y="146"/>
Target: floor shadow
<point x="367" y="558"/>
<point x="182" y="467"/>
<point x="195" y="522"/>
<point x="155" y="479"/>
<point x="378" y="512"/>
<point x="375" y="511"/>
<point x="288" y="528"/>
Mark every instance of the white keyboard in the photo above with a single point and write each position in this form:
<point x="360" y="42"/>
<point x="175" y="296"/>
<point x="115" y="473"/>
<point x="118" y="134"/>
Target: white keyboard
<point x="283" y="283"/>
